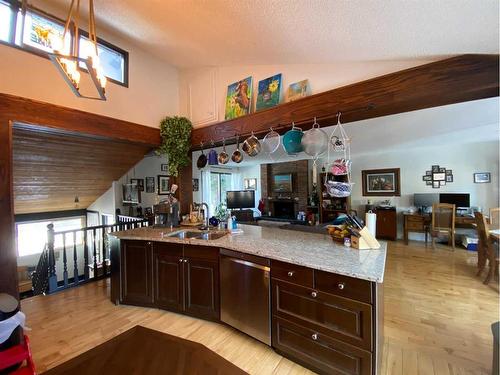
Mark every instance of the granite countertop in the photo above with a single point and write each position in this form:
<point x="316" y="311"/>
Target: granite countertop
<point x="312" y="250"/>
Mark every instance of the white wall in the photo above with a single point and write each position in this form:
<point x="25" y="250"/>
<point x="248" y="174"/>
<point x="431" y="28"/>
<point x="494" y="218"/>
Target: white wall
<point x="322" y="77"/>
<point x="152" y="93"/>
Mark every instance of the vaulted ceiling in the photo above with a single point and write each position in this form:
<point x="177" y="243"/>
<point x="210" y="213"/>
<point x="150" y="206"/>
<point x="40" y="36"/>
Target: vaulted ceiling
<point x="52" y="168"/>
<point x="190" y="33"/>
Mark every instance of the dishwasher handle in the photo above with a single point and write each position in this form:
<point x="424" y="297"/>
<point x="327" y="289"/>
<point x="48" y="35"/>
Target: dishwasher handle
<point x="249" y="264"/>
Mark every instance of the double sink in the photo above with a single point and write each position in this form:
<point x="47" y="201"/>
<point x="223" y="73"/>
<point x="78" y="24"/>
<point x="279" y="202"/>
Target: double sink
<point x="189" y="234"/>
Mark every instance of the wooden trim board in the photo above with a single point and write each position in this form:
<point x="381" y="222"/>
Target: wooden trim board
<point x="457" y="79"/>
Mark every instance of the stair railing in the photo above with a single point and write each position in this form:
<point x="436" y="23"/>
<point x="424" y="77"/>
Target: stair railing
<point x="96" y="254"/>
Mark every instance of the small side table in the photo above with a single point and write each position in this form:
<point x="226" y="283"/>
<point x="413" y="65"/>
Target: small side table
<point x="415" y="223"/>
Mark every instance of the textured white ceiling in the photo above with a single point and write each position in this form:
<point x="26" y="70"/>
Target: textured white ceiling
<point x="188" y="33"/>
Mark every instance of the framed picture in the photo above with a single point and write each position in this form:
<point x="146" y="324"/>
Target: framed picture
<point x="381" y="182"/>
<point x="435" y="184"/>
<point x="439" y="176"/>
<point x="482" y="177"/>
<point x="435" y="168"/>
<point x="427" y="178"/>
<point x="449" y="178"/>
<point x="164" y="168"/>
<point x="131" y="194"/>
<point x="250" y="183"/>
<point x="139" y="182"/>
<point x="268" y="92"/>
<point x="150" y="184"/>
<point x="239" y="98"/>
<point x="428" y="183"/>
<point x="442" y="183"/>
<point x="298" y="90"/>
<point x="428" y="173"/>
<point x="449" y="172"/>
<point x="163" y="185"/>
<point x="442" y="170"/>
<point x="196" y="184"/>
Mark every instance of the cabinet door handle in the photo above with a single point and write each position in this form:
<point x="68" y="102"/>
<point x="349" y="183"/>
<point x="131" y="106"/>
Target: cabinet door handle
<point x="185" y="260"/>
<point x="180" y="260"/>
<point x="290" y="273"/>
<point x="341" y="286"/>
<point x="314" y="294"/>
<point x="148" y="243"/>
<point x="314" y="336"/>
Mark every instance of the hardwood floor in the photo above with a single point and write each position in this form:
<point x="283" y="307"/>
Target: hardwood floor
<point x="437" y="320"/>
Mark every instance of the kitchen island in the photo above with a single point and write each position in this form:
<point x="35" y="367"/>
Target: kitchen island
<point x="324" y="301"/>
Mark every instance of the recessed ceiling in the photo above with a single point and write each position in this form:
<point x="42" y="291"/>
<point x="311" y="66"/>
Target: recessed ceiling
<point x="188" y="33"/>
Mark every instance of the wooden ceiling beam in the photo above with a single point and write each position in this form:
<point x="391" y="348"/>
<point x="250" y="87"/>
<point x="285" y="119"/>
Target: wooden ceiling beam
<point x="67" y="120"/>
<point x="453" y="80"/>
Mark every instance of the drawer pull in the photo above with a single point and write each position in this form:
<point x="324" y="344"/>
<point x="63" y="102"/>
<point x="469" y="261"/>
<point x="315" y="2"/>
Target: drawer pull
<point x="314" y="294"/>
<point x="314" y="336"/>
<point x="185" y="260"/>
<point x="341" y="286"/>
<point x="180" y="260"/>
<point x="290" y="273"/>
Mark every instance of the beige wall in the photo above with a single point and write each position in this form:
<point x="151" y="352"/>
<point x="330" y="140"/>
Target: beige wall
<point x="322" y="77"/>
<point x="151" y="95"/>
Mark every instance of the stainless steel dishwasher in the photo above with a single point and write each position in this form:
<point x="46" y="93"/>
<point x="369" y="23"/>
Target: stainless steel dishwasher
<point x="245" y="297"/>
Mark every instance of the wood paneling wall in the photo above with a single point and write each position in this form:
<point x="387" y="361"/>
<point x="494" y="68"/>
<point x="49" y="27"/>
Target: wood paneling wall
<point x="31" y="112"/>
<point x="51" y="169"/>
<point x="457" y="79"/>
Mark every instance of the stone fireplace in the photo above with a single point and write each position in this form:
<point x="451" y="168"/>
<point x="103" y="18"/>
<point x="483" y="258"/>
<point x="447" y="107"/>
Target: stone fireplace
<point x="285" y="205"/>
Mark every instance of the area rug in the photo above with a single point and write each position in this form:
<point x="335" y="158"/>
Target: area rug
<point x="142" y="350"/>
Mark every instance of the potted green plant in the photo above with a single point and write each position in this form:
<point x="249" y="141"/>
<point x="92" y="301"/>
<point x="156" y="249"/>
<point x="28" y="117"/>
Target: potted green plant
<point x="176" y="141"/>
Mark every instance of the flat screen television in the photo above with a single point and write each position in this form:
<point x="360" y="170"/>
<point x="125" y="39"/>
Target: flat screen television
<point x="283" y="183"/>
<point x="460" y="200"/>
<point x="425" y="199"/>
<point x="240" y="199"/>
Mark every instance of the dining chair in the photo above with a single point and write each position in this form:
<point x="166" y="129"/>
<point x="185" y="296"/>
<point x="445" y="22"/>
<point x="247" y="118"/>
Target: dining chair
<point x="443" y="223"/>
<point x="486" y="249"/>
<point x="495" y="218"/>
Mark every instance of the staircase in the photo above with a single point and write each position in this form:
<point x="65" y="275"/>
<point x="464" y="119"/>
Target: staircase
<point x="62" y="267"/>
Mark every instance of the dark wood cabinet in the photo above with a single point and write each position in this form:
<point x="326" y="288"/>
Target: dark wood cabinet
<point x="168" y="276"/>
<point x="136" y="277"/>
<point x="327" y="322"/>
<point x="201" y="281"/>
<point x="319" y="352"/>
<point x="337" y="317"/>
<point x="387" y="223"/>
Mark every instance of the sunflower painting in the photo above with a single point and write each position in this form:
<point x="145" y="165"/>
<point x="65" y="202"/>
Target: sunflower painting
<point x="269" y="92"/>
<point x="239" y="98"/>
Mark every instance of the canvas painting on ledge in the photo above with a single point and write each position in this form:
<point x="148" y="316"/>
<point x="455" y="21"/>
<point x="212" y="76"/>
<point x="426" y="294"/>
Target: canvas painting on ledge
<point x="239" y="98"/>
<point x="268" y="94"/>
<point x="298" y="90"/>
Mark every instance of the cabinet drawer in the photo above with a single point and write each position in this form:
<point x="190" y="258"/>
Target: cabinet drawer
<point x="340" y="318"/>
<point x="415" y="225"/>
<point x="415" y="219"/>
<point x="201" y="252"/>
<point x="321" y="353"/>
<point x="292" y="273"/>
<point x="345" y="286"/>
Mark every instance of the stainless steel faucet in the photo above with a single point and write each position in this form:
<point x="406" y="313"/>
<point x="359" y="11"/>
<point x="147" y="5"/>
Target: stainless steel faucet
<point x="206" y="214"/>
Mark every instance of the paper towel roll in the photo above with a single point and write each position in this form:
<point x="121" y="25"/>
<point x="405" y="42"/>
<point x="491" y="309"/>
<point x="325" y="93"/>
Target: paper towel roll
<point x="371" y="222"/>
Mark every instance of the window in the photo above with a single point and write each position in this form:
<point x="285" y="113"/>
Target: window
<point x="5" y="22"/>
<point x="220" y="183"/>
<point x="32" y="236"/>
<point x="40" y="30"/>
<point x="112" y="61"/>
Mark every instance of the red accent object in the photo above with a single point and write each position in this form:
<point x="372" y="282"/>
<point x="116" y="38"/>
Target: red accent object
<point x="16" y="355"/>
<point x="262" y="205"/>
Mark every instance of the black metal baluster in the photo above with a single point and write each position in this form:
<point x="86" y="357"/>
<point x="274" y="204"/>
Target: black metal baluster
<point x="65" y="262"/>
<point x="52" y="259"/>
<point x="94" y="252"/>
<point x="76" y="278"/>
<point x="103" y="246"/>
<point x="85" y="255"/>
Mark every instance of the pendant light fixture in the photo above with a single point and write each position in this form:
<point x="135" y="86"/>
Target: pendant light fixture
<point x="68" y="64"/>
